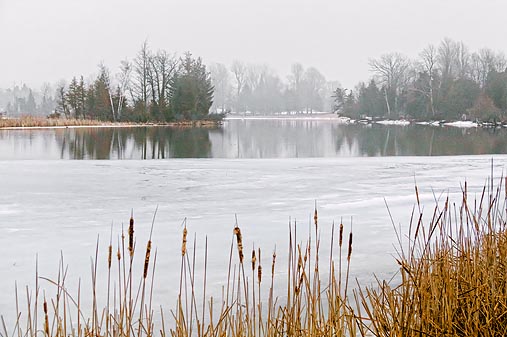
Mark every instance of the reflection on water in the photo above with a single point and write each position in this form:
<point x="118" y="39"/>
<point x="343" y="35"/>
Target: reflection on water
<point x="249" y="139"/>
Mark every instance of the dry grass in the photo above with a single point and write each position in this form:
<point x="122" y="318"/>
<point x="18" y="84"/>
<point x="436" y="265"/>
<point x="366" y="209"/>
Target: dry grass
<point x="42" y="122"/>
<point x="453" y="282"/>
<point x="453" y="273"/>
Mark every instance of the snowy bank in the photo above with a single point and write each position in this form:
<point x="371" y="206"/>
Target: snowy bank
<point x="393" y="122"/>
<point x="462" y="124"/>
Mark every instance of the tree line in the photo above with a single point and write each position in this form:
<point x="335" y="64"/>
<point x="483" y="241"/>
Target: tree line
<point x="255" y="88"/>
<point x="446" y="81"/>
<point x="155" y="86"/>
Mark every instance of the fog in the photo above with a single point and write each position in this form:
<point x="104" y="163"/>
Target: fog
<point x="45" y="41"/>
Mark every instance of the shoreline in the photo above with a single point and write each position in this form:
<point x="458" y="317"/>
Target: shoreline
<point x="41" y="123"/>
<point x="34" y="124"/>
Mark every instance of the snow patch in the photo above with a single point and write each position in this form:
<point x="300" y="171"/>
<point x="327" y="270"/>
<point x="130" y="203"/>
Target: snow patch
<point x="393" y="122"/>
<point x="462" y="124"/>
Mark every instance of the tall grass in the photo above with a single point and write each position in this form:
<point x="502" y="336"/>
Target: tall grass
<point x="42" y="122"/>
<point x="453" y="272"/>
<point x="452" y="282"/>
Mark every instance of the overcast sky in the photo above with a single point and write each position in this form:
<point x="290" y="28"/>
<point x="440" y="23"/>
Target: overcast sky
<point x="49" y="40"/>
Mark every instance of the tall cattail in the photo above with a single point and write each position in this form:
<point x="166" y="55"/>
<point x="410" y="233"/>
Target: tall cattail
<point x="109" y="256"/>
<point x="184" y="242"/>
<point x="239" y="240"/>
<point x="350" y="247"/>
<point x="147" y="259"/>
<point x="254" y="259"/>
<point x="273" y="263"/>
<point x="46" y="318"/>
<point x="315" y="216"/>
<point x="131" y="236"/>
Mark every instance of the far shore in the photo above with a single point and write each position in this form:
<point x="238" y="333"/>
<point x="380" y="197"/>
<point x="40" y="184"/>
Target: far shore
<point x="30" y="123"/>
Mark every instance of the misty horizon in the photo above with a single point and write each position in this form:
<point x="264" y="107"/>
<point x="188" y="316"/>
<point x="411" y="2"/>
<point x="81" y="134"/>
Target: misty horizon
<point x="47" y="42"/>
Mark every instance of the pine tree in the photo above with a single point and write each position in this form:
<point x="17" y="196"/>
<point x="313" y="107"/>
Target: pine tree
<point x="191" y="91"/>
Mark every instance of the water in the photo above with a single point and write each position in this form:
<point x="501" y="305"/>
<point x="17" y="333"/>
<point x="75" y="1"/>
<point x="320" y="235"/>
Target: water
<point x="50" y="208"/>
<point x="250" y="139"/>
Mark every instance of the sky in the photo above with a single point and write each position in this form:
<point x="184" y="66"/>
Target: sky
<point x="46" y="41"/>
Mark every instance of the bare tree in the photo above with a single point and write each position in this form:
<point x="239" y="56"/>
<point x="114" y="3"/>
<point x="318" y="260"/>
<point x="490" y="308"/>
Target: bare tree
<point x="295" y="82"/>
<point x="447" y="53"/>
<point x="162" y="68"/>
<point x="483" y="62"/>
<point x="220" y="80"/>
<point x="139" y="88"/>
<point x="124" y="80"/>
<point x="313" y="85"/>
<point x="429" y="65"/>
<point x="462" y="60"/>
<point x="391" y="71"/>
<point x="239" y="71"/>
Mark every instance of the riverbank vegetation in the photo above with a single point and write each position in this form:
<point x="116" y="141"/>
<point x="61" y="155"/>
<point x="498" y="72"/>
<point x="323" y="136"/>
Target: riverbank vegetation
<point x="42" y="122"/>
<point x="446" y="81"/>
<point x="452" y="281"/>
<point x="154" y="87"/>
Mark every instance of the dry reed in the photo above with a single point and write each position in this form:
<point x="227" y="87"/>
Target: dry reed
<point x="452" y="282"/>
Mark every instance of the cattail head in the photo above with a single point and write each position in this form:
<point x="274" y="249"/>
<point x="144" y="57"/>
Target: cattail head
<point x="184" y="242"/>
<point x="131" y="236"/>
<point x="315" y="216"/>
<point x="147" y="259"/>
<point x="118" y="254"/>
<point x="109" y="256"/>
<point x="254" y="259"/>
<point x="273" y="263"/>
<point x="239" y="240"/>
<point x="46" y="318"/>
<point x="350" y="247"/>
<point x="259" y="273"/>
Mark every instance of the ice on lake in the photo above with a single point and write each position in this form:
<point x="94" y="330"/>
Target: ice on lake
<point x="54" y="208"/>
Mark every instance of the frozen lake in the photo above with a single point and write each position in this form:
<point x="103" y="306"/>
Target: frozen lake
<point x="49" y="207"/>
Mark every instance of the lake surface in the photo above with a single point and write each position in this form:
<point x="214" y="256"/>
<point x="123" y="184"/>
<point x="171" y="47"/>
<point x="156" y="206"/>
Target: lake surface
<point x="53" y="207"/>
<point x="251" y="139"/>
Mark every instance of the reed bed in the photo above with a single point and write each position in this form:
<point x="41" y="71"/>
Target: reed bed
<point x="452" y="282"/>
<point x="453" y="272"/>
<point x="42" y="122"/>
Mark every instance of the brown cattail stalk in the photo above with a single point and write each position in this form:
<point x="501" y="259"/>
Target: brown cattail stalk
<point x="109" y="256"/>
<point x="254" y="259"/>
<point x="239" y="240"/>
<point x="273" y="264"/>
<point x="147" y="259"/>
<point x="315" y="216"/>
<point x="46" y="318"/>
<point x="184" y="242"/>
<point x="350" y="247"/>
<point x="259" y="273"/>
<point x="131" y="236"/>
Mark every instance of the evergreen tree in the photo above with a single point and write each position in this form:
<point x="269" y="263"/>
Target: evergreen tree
<point x="190" y="91"/>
